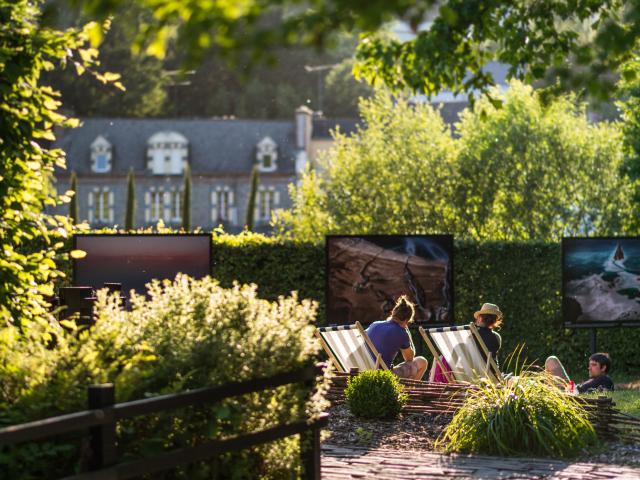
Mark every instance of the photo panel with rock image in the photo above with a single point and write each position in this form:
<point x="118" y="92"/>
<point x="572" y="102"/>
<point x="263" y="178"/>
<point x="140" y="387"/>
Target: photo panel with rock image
<point x="367" y="273"/>
<point x="601" y="279"/>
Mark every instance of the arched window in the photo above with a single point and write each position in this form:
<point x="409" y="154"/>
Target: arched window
<point x="101" y="151"/>
<point x="267" y="155"/>
<point x="167" y="153"/>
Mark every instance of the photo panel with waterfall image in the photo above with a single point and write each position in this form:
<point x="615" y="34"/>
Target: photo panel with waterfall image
<point x="601" y="279"/>
<point x="367" y="273"/>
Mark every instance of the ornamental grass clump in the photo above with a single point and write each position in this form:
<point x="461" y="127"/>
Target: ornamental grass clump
<point x="529" y="416"/>
<point x="375" y="394"/>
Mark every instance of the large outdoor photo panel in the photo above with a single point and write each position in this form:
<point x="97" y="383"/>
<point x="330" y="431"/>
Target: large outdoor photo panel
<point x="601" y="280"/>
<point x="134" y="260"/>
<point x="367" y="273"/>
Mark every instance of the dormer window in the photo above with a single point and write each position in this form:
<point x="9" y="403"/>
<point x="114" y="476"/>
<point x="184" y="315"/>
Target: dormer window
<point x="167" y="153"/>
<point x="101" y="155"/>
<point x="267" y="155"/>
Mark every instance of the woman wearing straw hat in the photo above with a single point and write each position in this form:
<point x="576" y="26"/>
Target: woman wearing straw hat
<point x="487" y="319"/>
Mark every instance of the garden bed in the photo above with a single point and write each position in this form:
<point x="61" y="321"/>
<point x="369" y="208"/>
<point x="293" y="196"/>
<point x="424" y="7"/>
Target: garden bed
<point x="410" y="431"/>
<point x="419" y="431"/>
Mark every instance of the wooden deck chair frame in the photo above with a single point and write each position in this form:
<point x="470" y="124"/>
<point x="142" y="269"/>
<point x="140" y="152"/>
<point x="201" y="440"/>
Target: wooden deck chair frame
<point x="332" y="355"/>
<point x="491" y="367"/>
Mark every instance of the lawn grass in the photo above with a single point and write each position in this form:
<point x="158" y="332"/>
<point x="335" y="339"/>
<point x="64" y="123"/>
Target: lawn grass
<point x="627" y="394"/>
<point x="628" y="401"/>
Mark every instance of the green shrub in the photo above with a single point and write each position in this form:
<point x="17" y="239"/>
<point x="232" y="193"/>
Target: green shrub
<point x="533" y="169"/>
<point x="530" y="416"/>
<point x="186" y="335"/>
<point x="375" y="394"/>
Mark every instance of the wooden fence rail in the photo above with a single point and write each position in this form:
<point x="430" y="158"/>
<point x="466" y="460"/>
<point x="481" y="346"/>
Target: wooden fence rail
<point x="104" y="413"/>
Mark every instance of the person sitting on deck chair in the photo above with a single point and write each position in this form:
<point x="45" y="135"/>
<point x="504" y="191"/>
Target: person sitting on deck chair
<point x="392" y="336"/>
<point x="599" y="368"/>
<point x="487" y="319"/>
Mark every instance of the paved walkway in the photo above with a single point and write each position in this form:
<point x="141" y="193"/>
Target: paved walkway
<point x="339" y="463"/>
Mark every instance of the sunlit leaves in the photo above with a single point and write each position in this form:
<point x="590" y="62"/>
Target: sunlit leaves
<point x="516" y="170"/>
<point x="389" y="177"/>
<point x="76" y="254"/>
<point x="463" y="35"/>
<point x="630" y="106"/>
<point x="28" y="115"/>
<point x="532" y="172"/>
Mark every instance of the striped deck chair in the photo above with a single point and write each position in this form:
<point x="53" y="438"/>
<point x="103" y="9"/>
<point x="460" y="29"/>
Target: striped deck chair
<point x="461" y="348"/>
<point x="346" y="346"/>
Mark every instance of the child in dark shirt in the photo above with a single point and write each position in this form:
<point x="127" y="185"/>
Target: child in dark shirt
<point x="599" y="368"/>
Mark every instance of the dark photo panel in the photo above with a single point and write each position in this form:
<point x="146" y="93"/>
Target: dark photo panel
<point x="601" y="280"/>
<point x="134" y="260"/>
<point x="367" y="273"/>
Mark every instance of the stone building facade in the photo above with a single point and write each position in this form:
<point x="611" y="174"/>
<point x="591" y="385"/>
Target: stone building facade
<point x="221" y="154"/>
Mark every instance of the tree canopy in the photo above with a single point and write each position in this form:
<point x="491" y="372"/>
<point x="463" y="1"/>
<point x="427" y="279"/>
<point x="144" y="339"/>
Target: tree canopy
<point x="293" y="76"/>
<point x="538" y="39"/>
<point x="142" y="76"/>
<point x="630" y="107"/>
<point x="526" y="171"/>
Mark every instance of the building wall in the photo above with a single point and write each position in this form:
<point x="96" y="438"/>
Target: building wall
<point x="317" y="148"/>
<point x="201" y="203"/>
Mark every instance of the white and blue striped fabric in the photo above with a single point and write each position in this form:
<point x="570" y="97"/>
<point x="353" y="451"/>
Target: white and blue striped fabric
<point x="347" y="347"/>
<point x="462" y="352"/>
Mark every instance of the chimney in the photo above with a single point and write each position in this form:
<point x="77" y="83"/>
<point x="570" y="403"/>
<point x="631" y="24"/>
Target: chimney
<point x="303" y="127"/>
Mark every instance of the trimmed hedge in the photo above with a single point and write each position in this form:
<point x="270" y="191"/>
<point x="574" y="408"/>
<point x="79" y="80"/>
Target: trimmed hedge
<point x="275" y="265"/>
<point x="523" y="278"/>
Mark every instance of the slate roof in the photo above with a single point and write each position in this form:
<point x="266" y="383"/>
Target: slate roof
<point x="215" y="146"/>
<point x="322" y="127"/>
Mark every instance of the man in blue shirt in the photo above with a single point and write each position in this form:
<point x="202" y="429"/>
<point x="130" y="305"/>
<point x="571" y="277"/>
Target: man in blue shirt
<point x="392" y="336"/>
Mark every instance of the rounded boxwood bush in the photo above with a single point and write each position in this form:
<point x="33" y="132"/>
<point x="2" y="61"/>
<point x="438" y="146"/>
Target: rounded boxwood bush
<point x="375" y="394"/>
<point x="529" y="416"/>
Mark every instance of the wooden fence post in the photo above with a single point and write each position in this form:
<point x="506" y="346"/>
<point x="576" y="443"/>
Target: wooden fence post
<point x="310" y="439"/>
<point x="310" y="453"/>
<point x="103" y="438"/>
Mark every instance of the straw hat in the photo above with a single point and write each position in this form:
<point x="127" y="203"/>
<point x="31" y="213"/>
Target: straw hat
<point x="488" y="308"/>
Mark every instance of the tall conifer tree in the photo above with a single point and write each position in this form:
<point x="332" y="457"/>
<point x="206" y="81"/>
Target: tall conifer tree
<point x="130" y="215"/>
<point x="251" y="202"/>
<point x="73" y="204"/>
<point x="186" y="199"/>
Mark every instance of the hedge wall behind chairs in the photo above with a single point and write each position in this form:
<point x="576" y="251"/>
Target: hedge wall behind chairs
<point x="524" y="279"/>
<point x="276" y="266"/>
